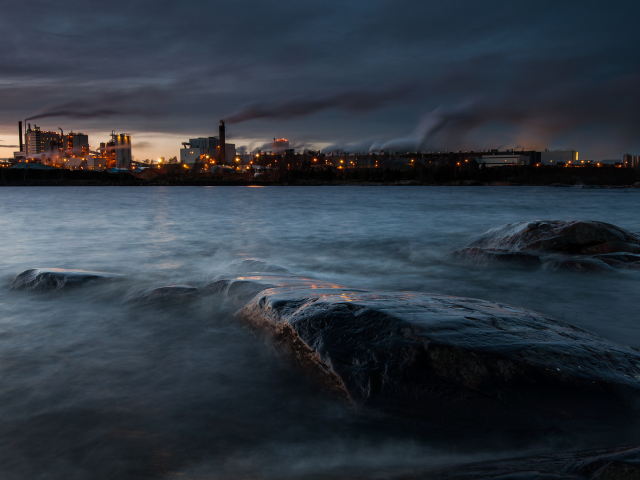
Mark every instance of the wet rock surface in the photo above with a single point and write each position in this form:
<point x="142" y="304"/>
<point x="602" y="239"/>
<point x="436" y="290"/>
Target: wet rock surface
<point x="242" y="289"/>
<point x="558" y="244"/>
<point x="48" y="279"/>
<point x="606" y="464"/>
<point x="447" y="361"/>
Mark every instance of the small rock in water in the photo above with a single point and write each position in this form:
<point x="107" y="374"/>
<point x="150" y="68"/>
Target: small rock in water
<point x="558" y="244"/>
<point x="47" y="279"/>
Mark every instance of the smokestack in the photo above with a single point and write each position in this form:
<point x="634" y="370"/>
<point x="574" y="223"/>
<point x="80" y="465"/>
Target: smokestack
<point x="221" y="155"/>
<point x="20" y="136"/>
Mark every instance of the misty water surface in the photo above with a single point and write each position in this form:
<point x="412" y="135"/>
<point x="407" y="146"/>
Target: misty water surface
<point x="94" y="387"/>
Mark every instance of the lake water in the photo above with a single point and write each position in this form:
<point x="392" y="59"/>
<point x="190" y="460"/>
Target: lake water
<point x="93" y="387"/>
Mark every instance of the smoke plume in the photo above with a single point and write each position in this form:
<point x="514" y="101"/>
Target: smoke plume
<point x="69" y="112"/>
<point x="353" y="100"/>
<point x="139" y="102"/>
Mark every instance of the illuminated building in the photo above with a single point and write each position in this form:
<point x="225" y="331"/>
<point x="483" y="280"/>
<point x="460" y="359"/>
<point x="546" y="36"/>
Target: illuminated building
<point x="197" y="148"/>
<point x="117" y="151"/>
<point x="75" y="144"/>
<point x="123" y="150"/>
<point x="280" y="145"/>
<point x="555" y="157"/>
<point x="40" y="142"/>
<point x="504" y="159"/>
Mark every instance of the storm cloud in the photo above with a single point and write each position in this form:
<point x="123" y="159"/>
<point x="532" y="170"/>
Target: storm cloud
<point x="378" y="74"/>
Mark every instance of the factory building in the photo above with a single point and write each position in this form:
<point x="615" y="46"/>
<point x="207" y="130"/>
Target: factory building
<point x="72" y="150"/>
<point x="196" y="148"/>
<point x="504" y="159"/>
<point x="189" y="156"/>
<point x="117" y="151"/>
<point x="555" y="157"/>
<point x="123" y="150"/>
<point x="230" y="151"/>
<point x="609" y="161"/>
<point x="631" y="161"/>
<point x="20" y="154"/>
<point x="280" y="145"/>
<point x="75" y="144"/>
<point x="41" y="142"/>
<point x="213" y="149"/>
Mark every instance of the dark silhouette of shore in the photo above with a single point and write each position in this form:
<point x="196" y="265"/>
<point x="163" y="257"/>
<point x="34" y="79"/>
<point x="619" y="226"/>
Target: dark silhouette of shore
<point x="419" y="175"/>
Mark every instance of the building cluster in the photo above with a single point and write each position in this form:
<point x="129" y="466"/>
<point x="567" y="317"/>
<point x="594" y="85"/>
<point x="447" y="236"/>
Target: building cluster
<point x="204" y="153"/>
<point x="72" y="150"/>
<point x="211" y="154"/>
<point x="214" y="155"/>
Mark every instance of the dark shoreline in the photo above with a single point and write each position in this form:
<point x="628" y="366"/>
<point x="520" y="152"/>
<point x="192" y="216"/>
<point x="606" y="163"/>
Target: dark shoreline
<point x="418" y="176"/>
<point x="240" y="183"/>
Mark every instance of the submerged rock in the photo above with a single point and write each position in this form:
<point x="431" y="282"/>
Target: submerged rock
<point x="43" y="279"/>
<point x="257" y="266"/>
<point x="620" y="259"/>
<point x="587" y="265"/>
<point x="482" y="255"/>
<point x="574" y="245"/>
<point x="170" y="292"/>
<point x="621" y="463"/>
<point x="445" y="360"/>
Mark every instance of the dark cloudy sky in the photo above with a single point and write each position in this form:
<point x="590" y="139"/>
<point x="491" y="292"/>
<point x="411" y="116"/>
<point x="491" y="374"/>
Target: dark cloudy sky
<point x="402" y="75"/>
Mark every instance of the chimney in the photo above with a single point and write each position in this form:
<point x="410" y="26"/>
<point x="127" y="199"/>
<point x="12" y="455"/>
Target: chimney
<point x="20" y="136"/>
<point x="221" y="154"/>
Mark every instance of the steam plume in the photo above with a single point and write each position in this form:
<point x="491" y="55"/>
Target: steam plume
<point x="104" y="105"/>
<point x="351" y="100"/>
<point x="67" y="112"/>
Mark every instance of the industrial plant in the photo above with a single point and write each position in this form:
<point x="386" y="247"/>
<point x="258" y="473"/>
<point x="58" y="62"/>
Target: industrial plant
<point x="212" y="157"/>
<point x="71" y="150"/>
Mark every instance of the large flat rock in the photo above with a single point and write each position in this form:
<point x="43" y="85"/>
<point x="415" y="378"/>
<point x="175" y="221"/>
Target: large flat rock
<point x="46" y="279"/>
<point x="445" y="360"/>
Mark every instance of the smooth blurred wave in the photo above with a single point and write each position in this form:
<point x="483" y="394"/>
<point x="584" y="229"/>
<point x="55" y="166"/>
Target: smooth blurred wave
<point x="92" y="386"/>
